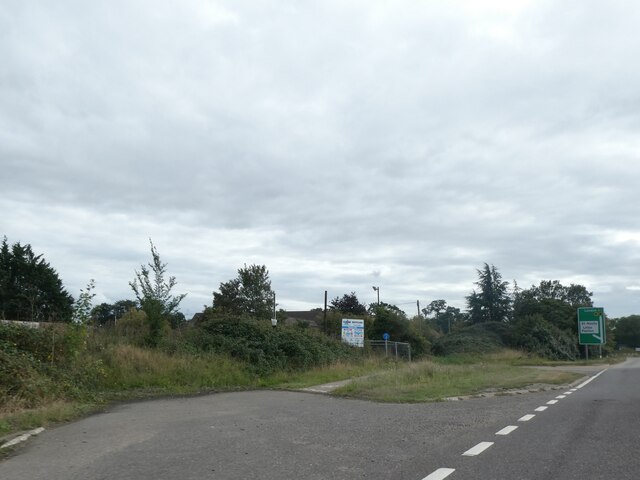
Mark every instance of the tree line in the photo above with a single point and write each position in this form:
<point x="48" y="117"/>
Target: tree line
<point x="31" y="290"/>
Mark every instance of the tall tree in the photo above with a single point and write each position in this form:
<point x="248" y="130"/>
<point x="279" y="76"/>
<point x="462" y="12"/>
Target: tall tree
<point x="108" y="314"/>
<point x="154" y="295"/>
<point x="628" y="331"/>
<point x="30" y="288"/>
<point x="150" y="284"/>
<point x="83" y="306"/>
<point x="248" y="294"/>
<point x="349" y="303"/>
<point x="491" y="303"/>
<point x="555" y="302"/>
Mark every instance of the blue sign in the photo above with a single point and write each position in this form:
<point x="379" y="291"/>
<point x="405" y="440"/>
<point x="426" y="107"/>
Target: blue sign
<point x="386" y="336"/>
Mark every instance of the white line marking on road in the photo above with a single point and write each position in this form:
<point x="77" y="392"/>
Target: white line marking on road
<point x="592" y="378"/>
<point x="507" y="430"/>
<point x="560" y="397"/>
<point x="478" y="449"/>
<point x="541" y="409"/>
<point x="439" y="474"/>
<point x="22" y="438"/>
<point x="574" y="389"/>
<point x="526" y="418"/>
<point x="567" y="393"/>
<point x="552" y="402"/>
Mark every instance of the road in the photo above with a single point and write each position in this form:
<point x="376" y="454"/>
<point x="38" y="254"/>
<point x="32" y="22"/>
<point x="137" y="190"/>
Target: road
<point x="590" y="433"/>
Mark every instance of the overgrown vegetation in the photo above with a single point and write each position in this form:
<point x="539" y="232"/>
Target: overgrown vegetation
<point x="430" y="380"/>
<point x="145" y="347"/>
<point x="69" y="363"/>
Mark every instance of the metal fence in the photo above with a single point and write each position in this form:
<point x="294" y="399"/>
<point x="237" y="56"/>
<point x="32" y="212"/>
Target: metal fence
<point x="396" y="350"/>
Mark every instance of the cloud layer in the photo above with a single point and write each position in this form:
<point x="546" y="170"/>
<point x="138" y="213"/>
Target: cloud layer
<point x="343" y="145"/>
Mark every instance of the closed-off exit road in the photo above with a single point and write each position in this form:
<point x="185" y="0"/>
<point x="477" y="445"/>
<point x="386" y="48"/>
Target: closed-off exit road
<point x="591" y="431"/>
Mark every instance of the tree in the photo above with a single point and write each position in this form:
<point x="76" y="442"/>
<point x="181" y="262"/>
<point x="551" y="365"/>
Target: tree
<point x="349" y="303"/>
<point x="627" y="331"/>
<point x="157" y="288"/>
<point x="248" y="294"/>
<point x="555" y="302"/>
<point x="30" y="288"/>
<point x="451" y="318"/>
<point x="436" y="307"/>
<point x="392" y="320"/>
<point x="154" y="296"/>
<point x="108" y="314"/>
<point x="82" y="307"/>
<point x="491" y="303"/>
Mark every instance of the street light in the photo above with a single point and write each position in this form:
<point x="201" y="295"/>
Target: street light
<point x="377" y="289"/>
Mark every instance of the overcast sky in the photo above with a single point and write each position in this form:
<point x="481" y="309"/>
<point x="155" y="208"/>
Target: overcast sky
<point x="343" y="144"/>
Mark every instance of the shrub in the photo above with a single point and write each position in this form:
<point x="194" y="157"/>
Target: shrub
<point x="536" y="335"/>
<point x="479" y="338"/>
<point x="133" y="327"/>
<point x="264" y="348"/>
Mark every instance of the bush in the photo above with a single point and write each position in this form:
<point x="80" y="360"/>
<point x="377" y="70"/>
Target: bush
<point x="264" y="348"/>
<point x="536" y="335"/>
<point x="479" y="338"/>
<point x="37" y="365"/>
<point x="133" y="327"/>
<point x="55" y="342"/>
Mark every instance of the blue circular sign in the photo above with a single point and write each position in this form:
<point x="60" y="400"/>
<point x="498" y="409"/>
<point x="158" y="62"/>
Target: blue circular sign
<point x="386" y="336"/>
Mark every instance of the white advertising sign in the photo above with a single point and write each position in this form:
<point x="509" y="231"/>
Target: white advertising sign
<point x="353" y="332"/>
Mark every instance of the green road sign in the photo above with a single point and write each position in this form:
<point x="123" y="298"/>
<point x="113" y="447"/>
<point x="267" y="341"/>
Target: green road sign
<point x="591" y="329"/>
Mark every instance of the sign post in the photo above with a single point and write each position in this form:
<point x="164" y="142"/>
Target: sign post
<point x="591" y="327"/>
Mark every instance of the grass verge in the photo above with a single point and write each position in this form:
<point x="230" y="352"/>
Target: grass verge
<point x="450" y="377"/>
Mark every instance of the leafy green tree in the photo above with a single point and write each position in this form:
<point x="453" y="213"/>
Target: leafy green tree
<point x="392" y="320"/>
<point x="627" y="331"/>
<point x="108" y="314"/>
<point x="375" y="308"/>
<point x="150" y="284"/>
<point x="349" y="303"/>
<point x="30" y="288"/>
<point x="450" y="319"/>
<point x="154" y="295"/>
<point x="555" y="302"/>
<point x="436" y="307"/>
<point x="82" y="307"/>
<point x="491" y="303"/>
<point x="248" y="294"/>
<point x="442" y="315"/>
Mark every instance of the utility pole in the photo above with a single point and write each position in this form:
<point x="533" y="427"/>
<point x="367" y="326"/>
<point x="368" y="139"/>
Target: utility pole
<point x="377" y="289"/>
<point x="418" y="303"/>
<point x="324" y="319"/>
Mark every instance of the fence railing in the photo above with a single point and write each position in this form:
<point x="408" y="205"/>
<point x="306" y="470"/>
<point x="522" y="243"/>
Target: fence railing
<point x="389" y="349"/>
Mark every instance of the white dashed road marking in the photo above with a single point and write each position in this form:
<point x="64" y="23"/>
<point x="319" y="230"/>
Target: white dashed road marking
<point x="526" y="418"/>
<point x="506" y="430"/>
<point x="440" y="474"/>
<point x="478" y="449"/>
<point x="443" y="473"/>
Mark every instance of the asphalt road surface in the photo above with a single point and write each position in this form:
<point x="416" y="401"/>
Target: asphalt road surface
<point x="591" y="432"/>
